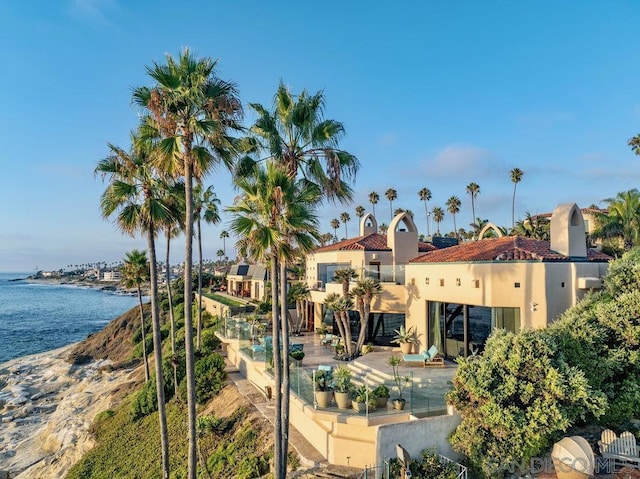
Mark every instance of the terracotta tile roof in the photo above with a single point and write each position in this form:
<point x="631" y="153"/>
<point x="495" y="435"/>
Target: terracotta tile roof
<point x="508" y="248"/>
<point x="370" y="242"/>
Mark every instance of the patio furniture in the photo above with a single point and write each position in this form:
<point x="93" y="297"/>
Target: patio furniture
<point x="425" y="358"/>
<point x="622" y="450"/>
<point x="573" y="458"/>
<point x="328" y="339"/>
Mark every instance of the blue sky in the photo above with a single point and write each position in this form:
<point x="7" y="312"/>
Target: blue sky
<point x="432" y="94"/>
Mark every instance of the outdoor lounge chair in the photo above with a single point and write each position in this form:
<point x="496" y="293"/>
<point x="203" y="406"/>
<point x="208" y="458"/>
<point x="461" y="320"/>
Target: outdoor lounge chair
<point x="622" y="450"/>
<point x="426" y="358"/>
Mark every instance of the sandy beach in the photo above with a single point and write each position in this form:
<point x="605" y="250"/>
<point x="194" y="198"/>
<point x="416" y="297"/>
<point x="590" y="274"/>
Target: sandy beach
<point x="46" y="408"/>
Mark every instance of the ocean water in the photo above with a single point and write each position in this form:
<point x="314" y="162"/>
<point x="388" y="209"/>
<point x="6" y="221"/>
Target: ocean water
<point x="40" y="317"/>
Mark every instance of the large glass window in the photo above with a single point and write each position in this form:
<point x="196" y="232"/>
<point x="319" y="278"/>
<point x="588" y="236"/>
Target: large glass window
<point x="506" y="318"/>
<point x="462" y="329"/>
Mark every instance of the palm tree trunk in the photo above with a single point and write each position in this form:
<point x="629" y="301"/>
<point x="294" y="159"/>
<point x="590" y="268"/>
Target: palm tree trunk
<point x="199" y="333"/>
<point x="513" y="206"/>
<point x="278" y="471"/>
<point x="157" y="353"/>
<point x="286" y="393"/>
<point x="188" y="320"/>
<point x="363" y="324"/>
<point x="171" y="317"/>
<point x="144" y="339"/>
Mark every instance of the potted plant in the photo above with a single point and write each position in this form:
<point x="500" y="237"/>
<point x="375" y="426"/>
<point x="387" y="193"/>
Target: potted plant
<point x="381" y="393"/>
<point x="406" y="338"/>
<point x="367" y="348"/>
<point x="401" y="382"/>
<point x="297" y="355"/>
<point x="363" y="399"/>
<point x="343" y="387"/>
<point x="323" y="388"/>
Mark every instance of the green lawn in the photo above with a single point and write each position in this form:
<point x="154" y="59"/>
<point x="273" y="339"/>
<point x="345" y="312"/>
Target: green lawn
<point x="223" y="299"/>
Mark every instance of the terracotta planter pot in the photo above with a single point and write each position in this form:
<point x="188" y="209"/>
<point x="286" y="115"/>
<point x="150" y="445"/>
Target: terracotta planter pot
<point x="398" y="404"/>
<point x="406" y="348"/>
<point x="343" y="400"/>
<point x="323" y="398"/>
<point x="382" y="403"/>
<point x="359" y="406"/>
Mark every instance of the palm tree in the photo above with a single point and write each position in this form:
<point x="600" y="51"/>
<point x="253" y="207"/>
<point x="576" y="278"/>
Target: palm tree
<point x="622" y="220"/>
<point x="477" y="226"/>
<point x="335" y="224"/>
<point x="224" y="234"/>
<point x="474" y="190"/>
<point x="360" y="211"/>
<point x="397" y="211"/>
<point x="133" y="275"/>
<point x="205" y="206"/>
<point x="537" y="227"/>
<point x="516" y="177"/>
<point x="453" y="207"/>
<point x="391" y="195"/>
<point x="634" y="143"/>
<point x="383" y="228"/>
<point x="192" y="111"/>
<point x="438" y="216"/>
<point x="344" y="217"/>
<point x="137" y="196"/>
<point x="297" y="137"/>
<point x="363" y="293"/>
<point x="325" y="238"/>
<point x="373" y="199"/>
<point x="425" y="195"/>
<point x="273" y="215"/>
<point x="299" y="294"/>
<point x="220" y="255"/>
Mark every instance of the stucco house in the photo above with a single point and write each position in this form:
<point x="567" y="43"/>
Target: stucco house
<point x="247" y="281"/>
<point x="381" y="256"/>
<point x="457" y="296"/>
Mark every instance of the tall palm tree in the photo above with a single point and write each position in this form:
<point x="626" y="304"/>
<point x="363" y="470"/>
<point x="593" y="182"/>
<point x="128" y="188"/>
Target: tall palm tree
<point x="383" y="228"/>
<point x="297" y="137"/>
<point x="425" y="195"/>
<point x="474" y="190"/>
<point x="622" y="219"/>
<point x="453" y="207"/>
<point x="516" y="177"/>
<point x="136" y="195"/>
<point x="345" y="218"/>
<point x="335" y="224"/>
<point x="360" y="211"/>
<point x="205" y="206"/>
<point x="373" y="199"/>
<point x="273" y="215"/>
<point x="193" y="111"/>
<point x="438" y="216"/>
<point x="391" y="195"/>
<point x="364" y="293"/>
<point x="220" y="255"/>
<point x="134" y="274"/>
<point x="224" y="234"/>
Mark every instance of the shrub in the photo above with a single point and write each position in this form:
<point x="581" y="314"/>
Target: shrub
<point x="146" y="400"/>
<point x="515" y="399"/>
<point x="210" y="378"/>
<point x="210" y="341"/>
<point x="428" y="467"/>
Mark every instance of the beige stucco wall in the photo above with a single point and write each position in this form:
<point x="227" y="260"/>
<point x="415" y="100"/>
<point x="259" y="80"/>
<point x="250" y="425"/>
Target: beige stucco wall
<point x="414" y="436"/>
<point x="493" y="284"/>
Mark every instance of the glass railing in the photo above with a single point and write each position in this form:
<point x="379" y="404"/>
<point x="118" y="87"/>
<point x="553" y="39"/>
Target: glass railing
<point x="421" y="400"/>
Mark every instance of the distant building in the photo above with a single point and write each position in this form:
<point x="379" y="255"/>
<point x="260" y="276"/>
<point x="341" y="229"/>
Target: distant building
<point x="111" y="276"/>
